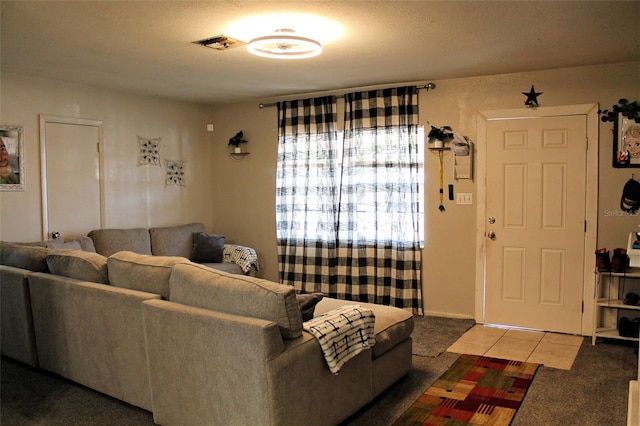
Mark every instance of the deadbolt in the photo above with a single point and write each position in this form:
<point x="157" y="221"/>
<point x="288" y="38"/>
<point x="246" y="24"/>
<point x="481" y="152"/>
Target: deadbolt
<point x="492" y="220"/>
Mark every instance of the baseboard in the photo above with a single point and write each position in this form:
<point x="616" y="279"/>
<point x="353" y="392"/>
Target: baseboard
<point x="446" y="315"/>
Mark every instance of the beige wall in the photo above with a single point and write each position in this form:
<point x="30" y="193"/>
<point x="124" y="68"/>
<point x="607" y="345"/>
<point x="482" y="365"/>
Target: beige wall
<point x="247" y="203"/>
<point x="237" y="198"/>
<point x="135" y="195"/>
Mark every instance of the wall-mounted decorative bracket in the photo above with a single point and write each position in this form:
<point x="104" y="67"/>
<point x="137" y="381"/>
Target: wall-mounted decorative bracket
<point x="238" y="146"/>
<point x="238" y="152"/>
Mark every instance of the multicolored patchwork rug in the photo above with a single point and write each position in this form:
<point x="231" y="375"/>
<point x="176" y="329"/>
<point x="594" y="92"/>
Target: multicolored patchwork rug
<point x="475" y="390"/>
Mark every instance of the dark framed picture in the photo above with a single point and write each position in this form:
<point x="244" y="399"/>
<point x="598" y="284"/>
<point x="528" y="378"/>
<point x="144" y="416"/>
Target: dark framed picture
<point x="626" y="142"/>
<point x="11" y="158"/>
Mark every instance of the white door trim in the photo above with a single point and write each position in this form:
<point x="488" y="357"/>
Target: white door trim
<point x="591" y="213"/>
<point x="44" y="120"/>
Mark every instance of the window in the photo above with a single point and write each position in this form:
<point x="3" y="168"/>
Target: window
<point x="349" y="205"/>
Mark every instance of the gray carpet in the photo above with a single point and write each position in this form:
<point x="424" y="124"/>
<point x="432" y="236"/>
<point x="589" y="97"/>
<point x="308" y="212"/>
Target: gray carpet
<point x="33" y="397"/>
<point x="593" y="392"/>
<point x="433" y="335"/>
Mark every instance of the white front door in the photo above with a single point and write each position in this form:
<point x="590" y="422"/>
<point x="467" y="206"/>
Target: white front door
<point x="71" y="176"/>
<point x="535" y="213"/>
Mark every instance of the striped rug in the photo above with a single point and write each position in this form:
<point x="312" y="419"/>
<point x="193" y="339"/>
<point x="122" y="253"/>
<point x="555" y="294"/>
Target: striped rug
<point x="475" y="390"/>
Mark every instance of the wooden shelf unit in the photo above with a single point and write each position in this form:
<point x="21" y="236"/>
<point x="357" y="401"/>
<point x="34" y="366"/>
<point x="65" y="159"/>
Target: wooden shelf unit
<point x="610" y="290"/>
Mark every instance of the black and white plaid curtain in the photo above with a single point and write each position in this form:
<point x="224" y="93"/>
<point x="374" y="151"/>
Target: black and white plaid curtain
<point x="379" y="237"/>
<point x="307" y="193"/>
<point x="371" y="250"/>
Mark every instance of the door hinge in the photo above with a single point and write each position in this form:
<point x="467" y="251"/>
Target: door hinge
<point x="585" y="226"/>
<point x="582" y="310"/>
<point x="586" y="144"/>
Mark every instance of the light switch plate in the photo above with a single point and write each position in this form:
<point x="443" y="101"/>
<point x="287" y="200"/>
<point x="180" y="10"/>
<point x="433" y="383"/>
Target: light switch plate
<point x="464" y="198"/>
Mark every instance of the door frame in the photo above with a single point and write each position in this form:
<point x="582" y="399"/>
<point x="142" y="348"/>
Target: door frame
<point x="53" y="119"/>
<point x="590" y="111"/>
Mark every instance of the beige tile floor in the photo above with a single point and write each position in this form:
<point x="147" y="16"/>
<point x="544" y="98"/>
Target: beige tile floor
<point x="551" y="349"/>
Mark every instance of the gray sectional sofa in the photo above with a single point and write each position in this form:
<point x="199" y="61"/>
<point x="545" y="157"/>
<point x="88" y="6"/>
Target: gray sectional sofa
<point x="172" y="241"/>
<point x="190" y="343"/>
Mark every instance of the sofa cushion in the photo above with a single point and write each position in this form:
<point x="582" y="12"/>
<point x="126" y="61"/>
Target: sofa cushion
<point x="174" y="240"/>
<point x="62" y="245"/>
<point x="202" y="287"/>
<point x="109" y="241"/>
<point x="207" y="248"/>
<point x="392" y="326"/>
<point x="80" y="243"/>
<point x="79" y="264"/>
<point x="307" y="303"/>
<point x="142" y="272"/>
<point x="229" y="267"/>
<point x="29" y="257"/>
<point x="30" y="243"/>
<point x="86" y="244"/>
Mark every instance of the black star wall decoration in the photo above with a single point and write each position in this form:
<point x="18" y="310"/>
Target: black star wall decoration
<point x="532" y="98"/>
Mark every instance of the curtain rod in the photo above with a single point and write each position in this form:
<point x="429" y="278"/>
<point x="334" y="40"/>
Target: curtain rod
<point x="428" y="86"/>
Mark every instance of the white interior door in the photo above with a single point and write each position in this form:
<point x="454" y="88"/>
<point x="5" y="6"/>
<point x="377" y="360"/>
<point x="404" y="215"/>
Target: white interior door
<point x="72" y="195"/>
<point x="535" y="213"/>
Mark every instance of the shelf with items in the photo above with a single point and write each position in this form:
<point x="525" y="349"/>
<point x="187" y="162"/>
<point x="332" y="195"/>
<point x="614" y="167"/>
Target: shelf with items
<point x="239" y="151"/>
<point x="612" y="333"/>
<point x="611" y="288"/>
<point x="238" y="146"/>
<point x="616" y="303"/>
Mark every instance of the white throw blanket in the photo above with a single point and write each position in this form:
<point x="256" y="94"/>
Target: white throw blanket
<point x="244" y="257"/>
<point x="343" y="333"/>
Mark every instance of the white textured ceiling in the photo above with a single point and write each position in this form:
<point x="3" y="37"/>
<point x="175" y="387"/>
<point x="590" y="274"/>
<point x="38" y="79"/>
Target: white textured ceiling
<point x="146" y="46"/>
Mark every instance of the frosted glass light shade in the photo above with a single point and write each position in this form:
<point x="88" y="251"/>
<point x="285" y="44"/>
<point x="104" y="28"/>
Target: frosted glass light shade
<point x="284" y="47"/>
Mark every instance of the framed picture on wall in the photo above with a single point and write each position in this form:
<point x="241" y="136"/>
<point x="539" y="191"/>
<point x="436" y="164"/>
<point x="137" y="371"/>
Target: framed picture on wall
<point x="626" y="142"/>
<point x="11" y="158"/>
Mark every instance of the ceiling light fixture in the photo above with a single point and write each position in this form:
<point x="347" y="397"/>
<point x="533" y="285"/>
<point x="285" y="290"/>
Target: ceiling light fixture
<point x="283" y="44"/>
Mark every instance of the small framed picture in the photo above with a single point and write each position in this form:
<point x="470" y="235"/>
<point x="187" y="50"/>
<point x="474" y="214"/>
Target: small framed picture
<point x="11" y="158"/>
<point x="626" y="142"/>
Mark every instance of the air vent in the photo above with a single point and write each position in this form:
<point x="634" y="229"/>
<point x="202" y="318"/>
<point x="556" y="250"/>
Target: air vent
<point x="220" y="42"/>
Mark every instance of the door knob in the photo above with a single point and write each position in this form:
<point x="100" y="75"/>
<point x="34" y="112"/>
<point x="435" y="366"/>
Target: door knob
<point x="491" y="235"/>
<point x="55" y="235"/>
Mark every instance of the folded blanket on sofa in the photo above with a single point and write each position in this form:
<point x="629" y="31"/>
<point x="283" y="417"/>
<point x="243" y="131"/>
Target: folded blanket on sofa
<point x="244" y="257"/>
<point x="343" y="333"/>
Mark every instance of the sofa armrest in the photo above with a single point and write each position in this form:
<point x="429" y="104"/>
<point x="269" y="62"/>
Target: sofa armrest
<point x="205" y="365"/>
<point x="245" y="257"/>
